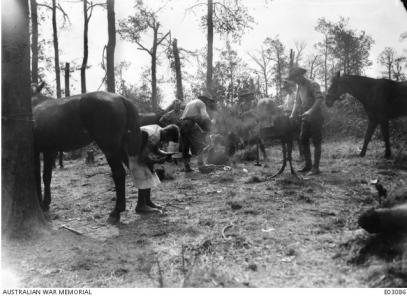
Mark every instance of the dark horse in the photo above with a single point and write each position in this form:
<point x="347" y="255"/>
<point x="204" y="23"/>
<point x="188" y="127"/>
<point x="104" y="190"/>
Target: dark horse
<point x="273" y="124"/>
<point x="70" y="123"/>
<point x="382" y="99"/>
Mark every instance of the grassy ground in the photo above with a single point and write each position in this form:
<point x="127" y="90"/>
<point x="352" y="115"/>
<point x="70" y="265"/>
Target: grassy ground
<point x="218" y="230"/>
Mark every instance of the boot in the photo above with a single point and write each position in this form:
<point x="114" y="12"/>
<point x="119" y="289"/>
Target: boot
<point x="187" y="167"/>
<point x="317" y="157"/>
<point x="307" y="157"/>
<point x="149" y="202"/>
<point x="200" y="160"/>
<point x="142" y="206"/>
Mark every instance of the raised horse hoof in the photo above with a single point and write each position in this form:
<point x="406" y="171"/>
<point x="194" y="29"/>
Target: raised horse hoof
<point x="114" y="218"/>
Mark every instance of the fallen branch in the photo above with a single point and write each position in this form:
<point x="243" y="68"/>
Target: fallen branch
<point x="224" y="229"/>
<point x="71" y="230"/>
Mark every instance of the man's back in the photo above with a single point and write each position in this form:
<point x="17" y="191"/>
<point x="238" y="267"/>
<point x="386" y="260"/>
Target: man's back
<point x="196" y="110"/>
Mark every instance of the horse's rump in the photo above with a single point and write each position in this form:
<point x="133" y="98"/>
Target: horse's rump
<point x="58" y="125"/>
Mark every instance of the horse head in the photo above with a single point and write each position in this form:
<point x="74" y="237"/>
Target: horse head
<point x="36" y="96"/>
<point x="334" y="91"/>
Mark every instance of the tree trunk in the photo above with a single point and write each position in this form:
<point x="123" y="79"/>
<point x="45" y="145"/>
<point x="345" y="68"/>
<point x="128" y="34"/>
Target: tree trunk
<point x="265" y="82"/>
<point x="56" y="48"/>
<point x="85" y="47"/>
<point x="34" y="42"/>
<point x="67" y="71"/>
<point x="111" y="28"/>
<point x="20" y="210"/>
<point x="154" y="103"/>
<point x="326" y="65"/>
<point x="177" y="66"/>
<point x="209" y="58"/>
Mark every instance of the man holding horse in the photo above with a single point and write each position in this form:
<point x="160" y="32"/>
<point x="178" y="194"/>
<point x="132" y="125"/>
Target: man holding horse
<point x="308" y="106"/>
<point x="195" y="125"/>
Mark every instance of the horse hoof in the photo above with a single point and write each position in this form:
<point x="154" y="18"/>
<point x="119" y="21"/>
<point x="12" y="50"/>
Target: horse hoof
<point x="362" y="154"/>
<point x="114" y="218"/>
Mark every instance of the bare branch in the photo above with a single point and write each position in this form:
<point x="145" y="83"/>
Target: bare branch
<point x="143" y="48"/>
<point x="160" y="40"/>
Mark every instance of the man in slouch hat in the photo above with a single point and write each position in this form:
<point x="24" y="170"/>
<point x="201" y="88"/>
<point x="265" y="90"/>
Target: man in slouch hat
<point x="308" y="106"/>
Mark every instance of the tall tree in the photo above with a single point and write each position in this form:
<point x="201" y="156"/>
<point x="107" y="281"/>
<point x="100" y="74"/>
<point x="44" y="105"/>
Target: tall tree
<point x="34" y="41"/>
<point x="399" y="74"/>
<point x="131" y="30"/>
<point x="324" y="48"/>
<point x="351" y="48"/>
<point x="177" y="68"/>
<point x="263" y="63"/>
<point x="209" y="57"/>
<point x="275" y="52"/>
<point x="225" y="17"/>
<point x="300" y="47"/>
<point x="87" y="15"/>
<point x="54" y="8"/>
<point x="56" y="48"/>
<point x="20" y="210"/>
<point x="386" y="58"/>
<point x="111" y="45"/>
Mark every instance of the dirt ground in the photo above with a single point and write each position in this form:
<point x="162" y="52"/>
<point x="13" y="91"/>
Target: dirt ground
<point x="222" y="229"/>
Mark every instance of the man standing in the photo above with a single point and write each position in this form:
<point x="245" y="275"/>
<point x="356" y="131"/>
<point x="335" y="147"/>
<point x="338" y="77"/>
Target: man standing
<point x="308" y="106"/>
<point x="195" y="125"/>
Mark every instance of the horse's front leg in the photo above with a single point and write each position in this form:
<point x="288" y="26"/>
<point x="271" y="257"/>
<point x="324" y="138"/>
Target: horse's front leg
<point x="368" y="136"/>
<point x="263" y="149"/>
<point x="289" y="155"/>
<point x="283" y="143"/>
<point x="386" y="137"/>
<point x="49" y="158"/>
<point x="119" y="178"/>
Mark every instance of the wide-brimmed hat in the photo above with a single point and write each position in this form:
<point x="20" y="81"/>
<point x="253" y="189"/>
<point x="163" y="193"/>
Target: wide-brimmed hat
<point x="206" y="96"/>
<point x="296" y="71"/>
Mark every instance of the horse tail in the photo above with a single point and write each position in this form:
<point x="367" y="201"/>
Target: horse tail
<point x="37" y="169"/>
<point x="133" y="128"/>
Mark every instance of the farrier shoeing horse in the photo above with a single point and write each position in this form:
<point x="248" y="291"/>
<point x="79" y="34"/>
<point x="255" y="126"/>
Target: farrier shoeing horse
<point x="70" y="123"/>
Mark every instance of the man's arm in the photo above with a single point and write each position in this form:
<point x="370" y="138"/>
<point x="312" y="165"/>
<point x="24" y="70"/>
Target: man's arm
<point x="317" y="96"/>
<point x="203" y="112"/>
<point x="297" y="104"/>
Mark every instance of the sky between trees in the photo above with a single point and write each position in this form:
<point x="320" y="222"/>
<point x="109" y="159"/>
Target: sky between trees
<point x="291" y="20"/>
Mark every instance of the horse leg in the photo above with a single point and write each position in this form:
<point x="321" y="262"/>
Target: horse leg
<point x="49" y="159"/>
<point x="263" y="149"/>
<point x="385" y="132"/>
<point x="368" y="136"/>
<point x="289" y="155"/>
<point x="119" y="178"/>
<point x="284" y="160"/>
<point x="300" y="149"/>
<point x="61" y="159"/>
